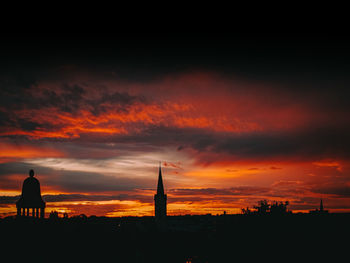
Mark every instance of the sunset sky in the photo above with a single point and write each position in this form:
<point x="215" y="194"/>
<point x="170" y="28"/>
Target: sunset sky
<point x="232" y="120"/>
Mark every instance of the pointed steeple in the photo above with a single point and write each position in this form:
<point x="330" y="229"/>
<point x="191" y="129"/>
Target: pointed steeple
<point x="321" y="206"/>
<point x="160" y="198"/>
<point x="160" y="187"/>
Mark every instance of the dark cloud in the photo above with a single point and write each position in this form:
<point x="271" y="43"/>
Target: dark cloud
<point x="309" y="144"/>
<point x="72" y="181"/>
<point x="242" y="190"/>
<point x="119" y="101"/>
<point x="8" y="199"/>
<point x="65" y="97"/>
<point x="70" y="99"/>
<point x="94" y="182"/>
<point x="312" y="143"/>
<point x="17" y="168"/>
<point x="339" y="191"/>
<point x="74" y="97"/>
<point x="27" y="125"/>
<point x="167" y="135"/>
<point x="13" y="84"/>
<point x="316" y="143"/>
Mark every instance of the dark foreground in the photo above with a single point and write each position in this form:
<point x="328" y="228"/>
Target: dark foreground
<point x="236" y="238"/>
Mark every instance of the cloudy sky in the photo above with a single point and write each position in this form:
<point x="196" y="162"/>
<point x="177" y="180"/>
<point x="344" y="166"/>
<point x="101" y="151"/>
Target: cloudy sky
<point x="232" y="120"/>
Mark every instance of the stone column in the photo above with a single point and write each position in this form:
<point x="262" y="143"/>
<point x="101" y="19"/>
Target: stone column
<point x="18" y="211"/>
<point x="33" y="212"/>
<point x="42" y="212"/>
<point x="37" y="212"/>
<point x="28" y="211"/>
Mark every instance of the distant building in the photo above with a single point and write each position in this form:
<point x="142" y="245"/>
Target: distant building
<point x="160" y="198"/>
<point x="320" y="210"/>
<point x="31" y="198"/>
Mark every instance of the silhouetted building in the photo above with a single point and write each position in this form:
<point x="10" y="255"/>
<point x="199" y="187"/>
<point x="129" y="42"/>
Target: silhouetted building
<point x="319" y="211"/>
<point x="160" y="198"/>
<point x="31" y="198"/>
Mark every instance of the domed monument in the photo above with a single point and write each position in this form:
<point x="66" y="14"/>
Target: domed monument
<point x="31" y="198"/>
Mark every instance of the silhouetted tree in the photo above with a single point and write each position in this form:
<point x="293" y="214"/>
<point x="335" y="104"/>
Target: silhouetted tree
<point x="53" y="215"/>
<point x="246" y="211"/>
<point x="279" y="208"/>
<point x="82" y="217"/>
<point x="263" y="208"/>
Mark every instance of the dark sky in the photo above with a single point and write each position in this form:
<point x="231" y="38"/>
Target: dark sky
<point x="245" y="54"/>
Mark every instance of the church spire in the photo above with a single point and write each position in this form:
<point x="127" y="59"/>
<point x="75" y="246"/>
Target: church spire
<point x="160" y="198"/>
<point x="160" y="187"/>
<point x="321" y="206"/>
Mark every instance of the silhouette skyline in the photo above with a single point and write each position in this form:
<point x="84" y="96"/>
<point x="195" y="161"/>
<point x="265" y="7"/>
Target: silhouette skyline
<point x="31" y="199"/>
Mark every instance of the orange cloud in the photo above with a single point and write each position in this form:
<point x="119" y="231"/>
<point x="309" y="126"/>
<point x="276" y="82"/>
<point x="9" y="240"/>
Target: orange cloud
<point x="53" y="123"/>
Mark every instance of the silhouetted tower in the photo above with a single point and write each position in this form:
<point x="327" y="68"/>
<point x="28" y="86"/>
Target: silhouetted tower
<point x="160" y="198"/>
<point x="319" y="211"/>
<point x="321" y="206"/>
<point x="31" y="198"/>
